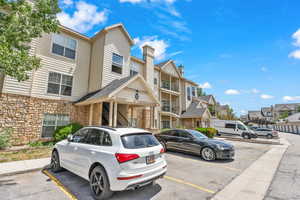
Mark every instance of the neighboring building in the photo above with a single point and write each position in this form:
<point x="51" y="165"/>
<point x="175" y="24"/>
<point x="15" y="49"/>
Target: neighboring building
<point x="244" y="118"/>
<point x="96" y="81"/>
<point x="222" y="110"/>
<point x="293" y="119"/>
<point x="279" y="109"/>
<point x="254" y="115"/>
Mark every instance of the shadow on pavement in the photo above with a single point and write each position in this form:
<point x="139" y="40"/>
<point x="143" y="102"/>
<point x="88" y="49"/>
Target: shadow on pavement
<point x="80" y="188"/>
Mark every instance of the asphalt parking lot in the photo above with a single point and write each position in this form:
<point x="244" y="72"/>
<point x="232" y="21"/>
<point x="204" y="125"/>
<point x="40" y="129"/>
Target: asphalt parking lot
<point x="188" y="177"/>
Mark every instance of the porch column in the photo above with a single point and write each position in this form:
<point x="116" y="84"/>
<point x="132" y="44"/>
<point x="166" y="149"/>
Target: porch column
<point x="153" y="117"/>
<point x="171" y="122"/>
<point x="91" y="114"/>
<point x="115" y="114"/>
<point x="111" y="113"/>
<point x="100" y="113"/>
<point x="131" y="115"/>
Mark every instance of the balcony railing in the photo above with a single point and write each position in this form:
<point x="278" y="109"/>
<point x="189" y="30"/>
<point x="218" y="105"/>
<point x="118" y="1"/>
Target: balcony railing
<point x="169" y="86"/>
<point x="168" y="108"/>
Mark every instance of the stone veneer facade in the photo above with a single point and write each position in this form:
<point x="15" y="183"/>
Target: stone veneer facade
<point x="24" y="115"/>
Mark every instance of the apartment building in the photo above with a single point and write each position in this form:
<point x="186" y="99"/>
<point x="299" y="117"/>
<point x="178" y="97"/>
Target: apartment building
<point x="96" y="81"/>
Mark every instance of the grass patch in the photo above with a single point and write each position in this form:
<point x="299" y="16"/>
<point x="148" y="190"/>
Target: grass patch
<point x="25" y="154"/>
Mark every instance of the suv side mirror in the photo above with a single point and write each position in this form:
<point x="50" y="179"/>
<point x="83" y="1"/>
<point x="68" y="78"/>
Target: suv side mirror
<point x="70" y="138"/>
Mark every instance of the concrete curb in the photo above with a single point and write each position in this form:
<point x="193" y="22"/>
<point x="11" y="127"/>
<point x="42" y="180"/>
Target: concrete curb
<point x="254" y="182"/>
<point x="23" y="166"/>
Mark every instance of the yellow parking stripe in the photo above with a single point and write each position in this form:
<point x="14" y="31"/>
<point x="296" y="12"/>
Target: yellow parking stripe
<point x="189" y="184"/>
<point x="60" y="185"/>
<point x="211" y="164"/>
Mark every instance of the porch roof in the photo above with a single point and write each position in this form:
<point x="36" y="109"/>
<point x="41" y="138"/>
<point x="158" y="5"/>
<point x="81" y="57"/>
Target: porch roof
<point x="109" y="92"/>
<point x="194" y="111"/>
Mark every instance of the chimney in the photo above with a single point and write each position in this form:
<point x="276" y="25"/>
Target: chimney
<point x="148" y="56"/>
<point x="181" y="69"/>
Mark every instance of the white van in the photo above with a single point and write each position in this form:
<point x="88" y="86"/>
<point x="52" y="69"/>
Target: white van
<point x="233" y="127"/>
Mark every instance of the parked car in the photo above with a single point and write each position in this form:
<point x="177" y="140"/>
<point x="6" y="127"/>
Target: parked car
<point x="111" y="159"/>
<point x="233" y="127"/>
<point x="266" y="132"/>
<point x="197" y="143"/>
<point x="253" y="128"/>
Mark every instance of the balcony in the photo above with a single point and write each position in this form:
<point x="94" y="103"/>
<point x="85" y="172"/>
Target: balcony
<point x="166" y="107"/>
<point x="168" y="85"/>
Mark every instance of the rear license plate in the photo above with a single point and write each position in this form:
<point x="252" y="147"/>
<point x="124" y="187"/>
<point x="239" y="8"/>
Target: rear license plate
<point x="150" y="159"/>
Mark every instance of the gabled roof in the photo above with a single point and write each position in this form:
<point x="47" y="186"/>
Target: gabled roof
<point x="165" y="63"/>
<point x="112" y="89"/>
<point x="194" y="111"/>
<point x="161" y="64"/>
<point x="294" y="118"/>
<point x="290" y="106"/>
<point x="207" y="98"/>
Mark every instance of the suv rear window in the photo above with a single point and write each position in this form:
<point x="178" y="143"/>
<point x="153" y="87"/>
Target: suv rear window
<point x="139" y="140"/>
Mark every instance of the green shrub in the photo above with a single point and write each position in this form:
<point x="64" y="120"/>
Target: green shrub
<point x="62" y="132"/>
<point x="209" y="132"/>
<point x="5" y="138"/>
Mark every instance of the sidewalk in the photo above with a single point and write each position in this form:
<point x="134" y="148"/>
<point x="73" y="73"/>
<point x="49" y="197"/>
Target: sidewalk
<point x="23" y="166"/>
<point x="254" y="182"/>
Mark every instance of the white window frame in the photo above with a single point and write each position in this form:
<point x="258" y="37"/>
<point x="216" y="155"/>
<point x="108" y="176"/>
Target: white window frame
<point x="55" y="126"/>
<point x="66" y="36"/>
<point x="60" y="84"/>
<point x="117" y="64"/>
<point x="134" y="68"/>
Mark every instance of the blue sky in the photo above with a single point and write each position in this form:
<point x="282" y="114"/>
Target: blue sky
<point x="246" y="53"/>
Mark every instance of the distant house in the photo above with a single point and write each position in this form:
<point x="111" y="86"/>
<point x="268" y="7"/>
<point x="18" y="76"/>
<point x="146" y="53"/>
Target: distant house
<point x="255" y="115"/>
<point x="279" y="109"/>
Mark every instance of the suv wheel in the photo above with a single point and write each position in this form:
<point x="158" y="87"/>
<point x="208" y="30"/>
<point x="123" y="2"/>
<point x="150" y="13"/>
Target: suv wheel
<point x="99" y="184"/>
<point x="208" y="154"/>
<point x="246" y="136"/>
<point x="55" y="163"/>
<point x="269" y="136"/>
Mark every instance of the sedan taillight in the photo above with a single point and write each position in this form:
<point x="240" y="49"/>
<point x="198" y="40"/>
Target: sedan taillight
<point x="162" y="151"/>
<point x="124" y="157"/>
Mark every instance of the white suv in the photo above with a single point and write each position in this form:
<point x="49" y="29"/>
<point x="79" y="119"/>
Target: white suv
<point x="111" y="159"/>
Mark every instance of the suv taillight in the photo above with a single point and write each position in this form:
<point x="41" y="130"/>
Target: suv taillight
<point x="162" y="151"/>
<point x="124" y="157"/>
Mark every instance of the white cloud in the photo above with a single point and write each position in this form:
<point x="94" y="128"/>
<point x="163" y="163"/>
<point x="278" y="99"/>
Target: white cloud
<point x="131" y="1"/>
<point x="264" y="69"/>
<point x="232" y="92"/>
<point x="160" y="46"/>
<point x="84" y="18"/>
<point x="255" y="91"/>
<point x="291" y="98"/>
<point x="266" y="96"/>
<point x="243" y="112"/>
<point x="205" y="85"/>
<point x="296" y="36"/>
<point x="295" y="54"/>
<point x="68" y="2"/>
<point x="175" y="53"/>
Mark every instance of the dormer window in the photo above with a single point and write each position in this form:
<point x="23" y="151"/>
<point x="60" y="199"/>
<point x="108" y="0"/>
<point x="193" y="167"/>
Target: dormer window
<point x="117" y="63"/>
<point x="64" y="46"/>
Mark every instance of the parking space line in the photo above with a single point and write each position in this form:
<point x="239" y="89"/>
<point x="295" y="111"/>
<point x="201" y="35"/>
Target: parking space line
<point x="189" y="184"/>
<point x="60" y="185"/>
<point x="211" y="164"/>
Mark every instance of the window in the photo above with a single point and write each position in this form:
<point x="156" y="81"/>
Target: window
<point x="98" y="137"/>
<point x="117" y="63"/>
<point x="134" y="69"/>
<point x="193" y="91"/>
<point x="81" y="136"/>
<point x="188" y="93"/>
<point x="64" y="46"/>
<point x="232" y="126"/>
<point x="155" y="81"/>
<point x="166" y="124"/>
<point x="137" y="141"/>
<point x="241" y="127"/>
<point x="60" y="84"/>
<point x="51" y="122"/>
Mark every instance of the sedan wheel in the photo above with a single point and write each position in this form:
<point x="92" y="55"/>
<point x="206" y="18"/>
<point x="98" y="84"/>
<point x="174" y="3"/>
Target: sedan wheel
<point x="246" y="136"/>
<point x="55" y="163"/>
<point x="269" y="136"/>
<point x="99" y="184"/>
<point x="208" y="154"/>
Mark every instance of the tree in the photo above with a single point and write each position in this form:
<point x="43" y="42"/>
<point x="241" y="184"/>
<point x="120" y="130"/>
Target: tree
<point x="284" y="115"/>
<point x="20" y="22"/>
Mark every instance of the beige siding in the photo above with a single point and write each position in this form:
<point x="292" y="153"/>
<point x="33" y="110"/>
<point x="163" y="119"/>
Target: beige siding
<point x="170" y="69"/>
<point x="115" y="42"/>
<point x="12" y="86"/>
<point x="96" y="64"/>
<point x="78" y="68"/>
<point x="156" y="87"/>
<point x="140" y="67"/>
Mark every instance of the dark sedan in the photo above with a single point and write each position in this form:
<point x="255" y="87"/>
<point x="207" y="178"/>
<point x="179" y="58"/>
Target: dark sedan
<point x="195" y="142"/>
